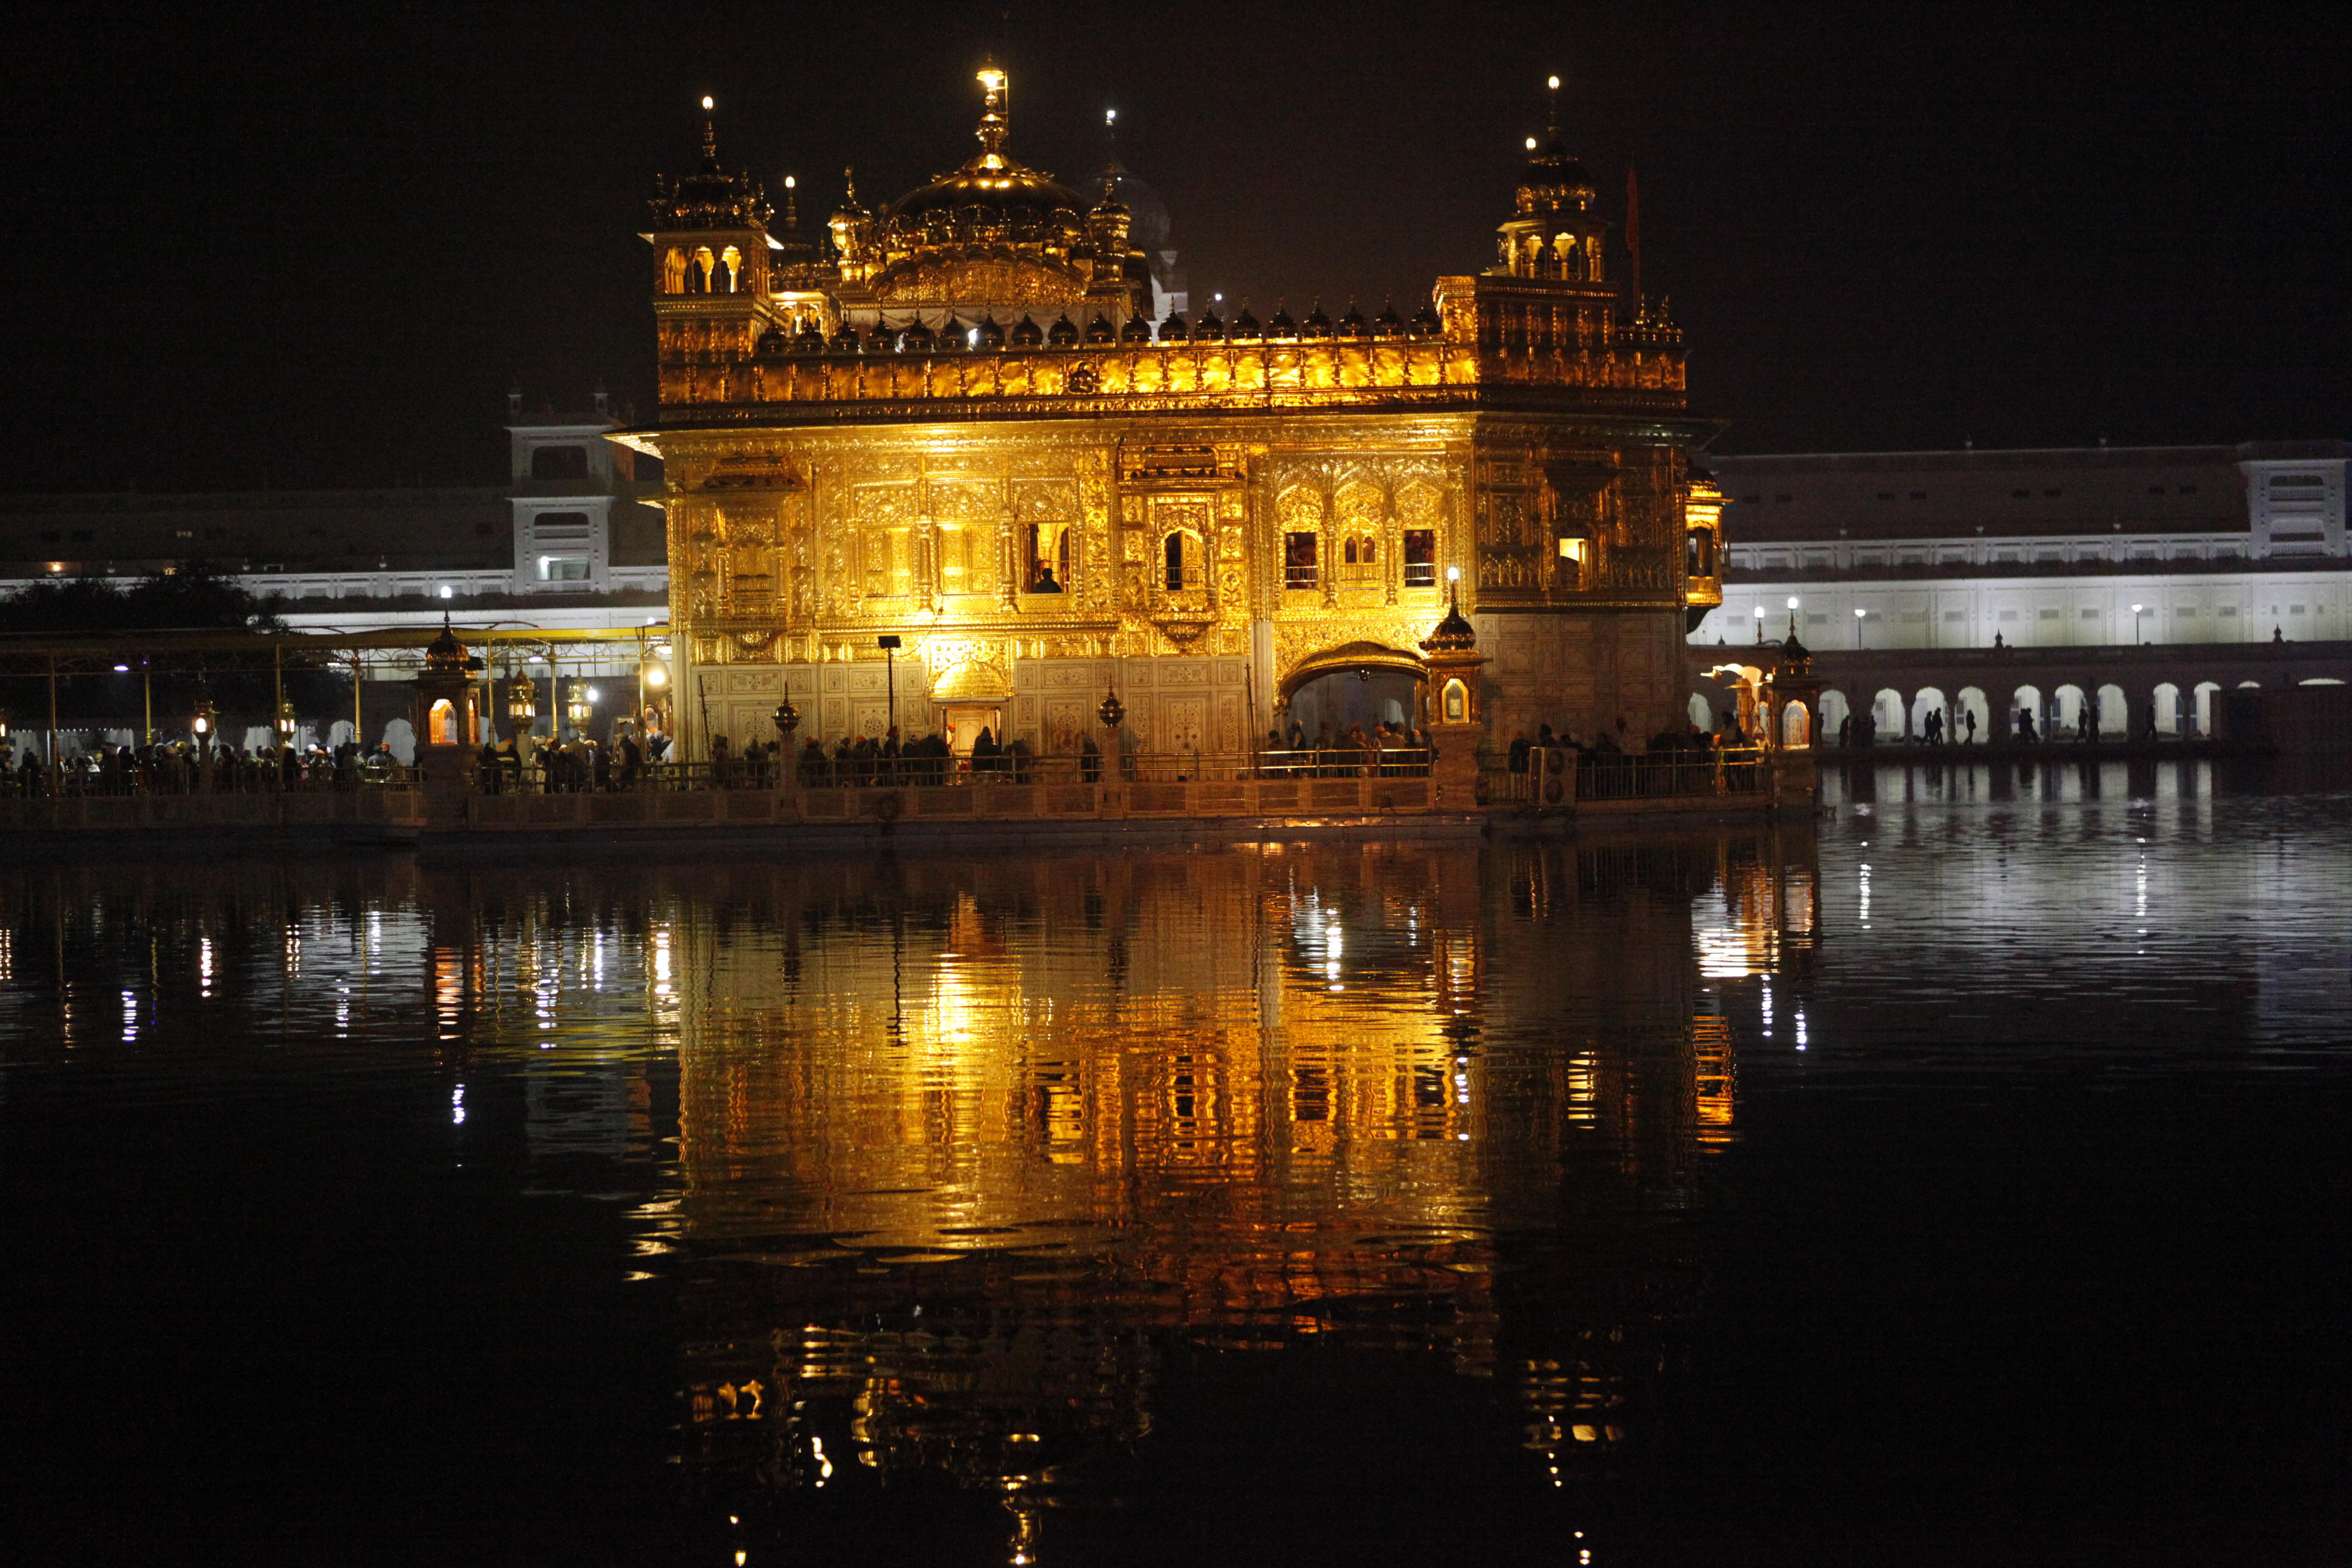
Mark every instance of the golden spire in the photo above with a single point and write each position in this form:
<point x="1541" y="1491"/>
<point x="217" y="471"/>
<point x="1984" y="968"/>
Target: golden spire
<point x="994" y="116"/>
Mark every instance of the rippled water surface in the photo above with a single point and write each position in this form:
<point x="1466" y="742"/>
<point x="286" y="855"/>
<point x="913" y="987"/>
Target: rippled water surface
<point x="1963" y="1179"/>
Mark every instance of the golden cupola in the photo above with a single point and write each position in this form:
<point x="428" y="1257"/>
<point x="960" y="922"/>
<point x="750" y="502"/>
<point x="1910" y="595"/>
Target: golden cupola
<point x="1554" y="230"/>
<point x="990" y="239"/>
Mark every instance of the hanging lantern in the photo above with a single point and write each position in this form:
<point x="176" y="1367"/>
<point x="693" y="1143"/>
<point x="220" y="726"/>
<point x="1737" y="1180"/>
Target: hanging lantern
<point x="788" y="718"/>
<point x="1112" y="712"/>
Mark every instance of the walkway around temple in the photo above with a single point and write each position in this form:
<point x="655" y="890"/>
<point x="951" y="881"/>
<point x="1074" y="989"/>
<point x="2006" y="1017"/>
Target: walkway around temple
<point x="547" y="794"/>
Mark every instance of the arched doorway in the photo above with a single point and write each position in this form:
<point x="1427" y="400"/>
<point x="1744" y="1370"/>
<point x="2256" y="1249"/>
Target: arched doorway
<point x="1834" y="713"/>
<point x="1362" y="683"/>
<point x="971" y="697"/>
<point x="2025" y="713"/>
<point x="1926" y="703"/>
<point x="2111" y="714"/>
<point x="1972" y="704"/>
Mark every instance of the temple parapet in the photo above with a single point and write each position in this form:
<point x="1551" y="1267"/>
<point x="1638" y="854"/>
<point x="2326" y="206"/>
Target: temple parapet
<point x="698" y="386"/>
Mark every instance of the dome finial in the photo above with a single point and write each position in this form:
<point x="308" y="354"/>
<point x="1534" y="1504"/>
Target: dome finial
<point x="995" y="114"/>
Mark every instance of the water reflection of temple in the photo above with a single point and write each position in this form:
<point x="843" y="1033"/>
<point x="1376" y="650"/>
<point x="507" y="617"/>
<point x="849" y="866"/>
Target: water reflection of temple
<point x="965" y="1149"/>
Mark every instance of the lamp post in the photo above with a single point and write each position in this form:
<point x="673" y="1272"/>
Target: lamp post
<point x="890" y="644"/>
<point x="1793" y="617"/>
<point x="1759" y="613"/>
<point x="788" y="719"/>
<point x="204" y="722"/>
<point x="2135" y="611"/>
<point x="1860" y="616"/>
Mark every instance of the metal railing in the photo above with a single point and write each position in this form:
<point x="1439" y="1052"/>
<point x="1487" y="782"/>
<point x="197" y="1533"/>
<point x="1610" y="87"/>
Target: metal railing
<point x="558" y="774"/>
<point x="1556" y="778"/>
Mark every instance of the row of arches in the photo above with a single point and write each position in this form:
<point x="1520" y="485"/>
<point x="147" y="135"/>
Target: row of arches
<point x="701" y="270"/>
<point x="1969" y="714"/>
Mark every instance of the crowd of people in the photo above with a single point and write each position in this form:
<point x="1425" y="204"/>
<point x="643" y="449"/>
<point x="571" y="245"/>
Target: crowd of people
<point x="570" y="767"/>
<point x="1386" y="751"/>
<point x="1607" y="764"/>
<point x="184" y="767"/>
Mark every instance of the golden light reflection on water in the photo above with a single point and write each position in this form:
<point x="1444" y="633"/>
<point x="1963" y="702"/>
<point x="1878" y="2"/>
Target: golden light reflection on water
<point x="968" y="1151"/>
<point x="964" y="1151"/>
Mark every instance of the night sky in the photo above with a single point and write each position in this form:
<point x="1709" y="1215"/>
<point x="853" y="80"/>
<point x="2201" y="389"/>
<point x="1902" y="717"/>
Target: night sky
<point x="315" y="246"/>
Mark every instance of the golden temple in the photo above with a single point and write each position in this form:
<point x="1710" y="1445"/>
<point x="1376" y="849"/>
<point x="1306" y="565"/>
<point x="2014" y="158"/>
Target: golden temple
<point x="956" y="421"/>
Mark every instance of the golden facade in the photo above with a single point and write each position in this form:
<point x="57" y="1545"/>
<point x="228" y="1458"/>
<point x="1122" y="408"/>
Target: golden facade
<point x="954" y="421"/>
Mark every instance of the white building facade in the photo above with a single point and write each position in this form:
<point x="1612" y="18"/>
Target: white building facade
<point x="2065" y="547"/>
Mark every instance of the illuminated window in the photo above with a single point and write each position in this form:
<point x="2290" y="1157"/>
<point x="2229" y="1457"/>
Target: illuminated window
<point x="1421" y="558"/>
<point x="1698" y="558"/>
<point x="1298" y="561"/>
<point x="674" y="271"/>
<point x="1049" y="558"/>
<point x="1181" y="556"/>
<point x="731" y="271"/>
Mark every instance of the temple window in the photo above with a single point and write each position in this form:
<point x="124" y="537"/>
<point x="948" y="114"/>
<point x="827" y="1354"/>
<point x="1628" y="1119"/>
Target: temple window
<point x="1298" y="561"/>
<point x="699" y="275"/>
<point x="674" y="271"/>
<point x="1700" y="559"/>
<point x="1180" y="554"/>
<point x="730" y="270"/>
<point x="1421" y="558"/>
<point x="1049" y="558"/>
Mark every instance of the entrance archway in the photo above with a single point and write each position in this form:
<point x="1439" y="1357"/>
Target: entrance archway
<point x="971" y="697"/>
<point x="1362" y="683"/>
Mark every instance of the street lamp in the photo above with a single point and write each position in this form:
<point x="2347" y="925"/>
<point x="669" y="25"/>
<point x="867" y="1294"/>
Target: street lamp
<point x="1860" y="616"/>
<point x="285" y="723"/>
<point x="2135" y="611"/>
<point x="1759" y="613"/>
<point x="1793" y="617"/>
<point x="205" y="721"/>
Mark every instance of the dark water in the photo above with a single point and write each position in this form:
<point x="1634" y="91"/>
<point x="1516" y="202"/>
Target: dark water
<point x="1967" y="1180"/>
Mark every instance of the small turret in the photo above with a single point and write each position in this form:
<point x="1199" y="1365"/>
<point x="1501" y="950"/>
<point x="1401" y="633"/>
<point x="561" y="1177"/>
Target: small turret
<point x="1553" y="231"/>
